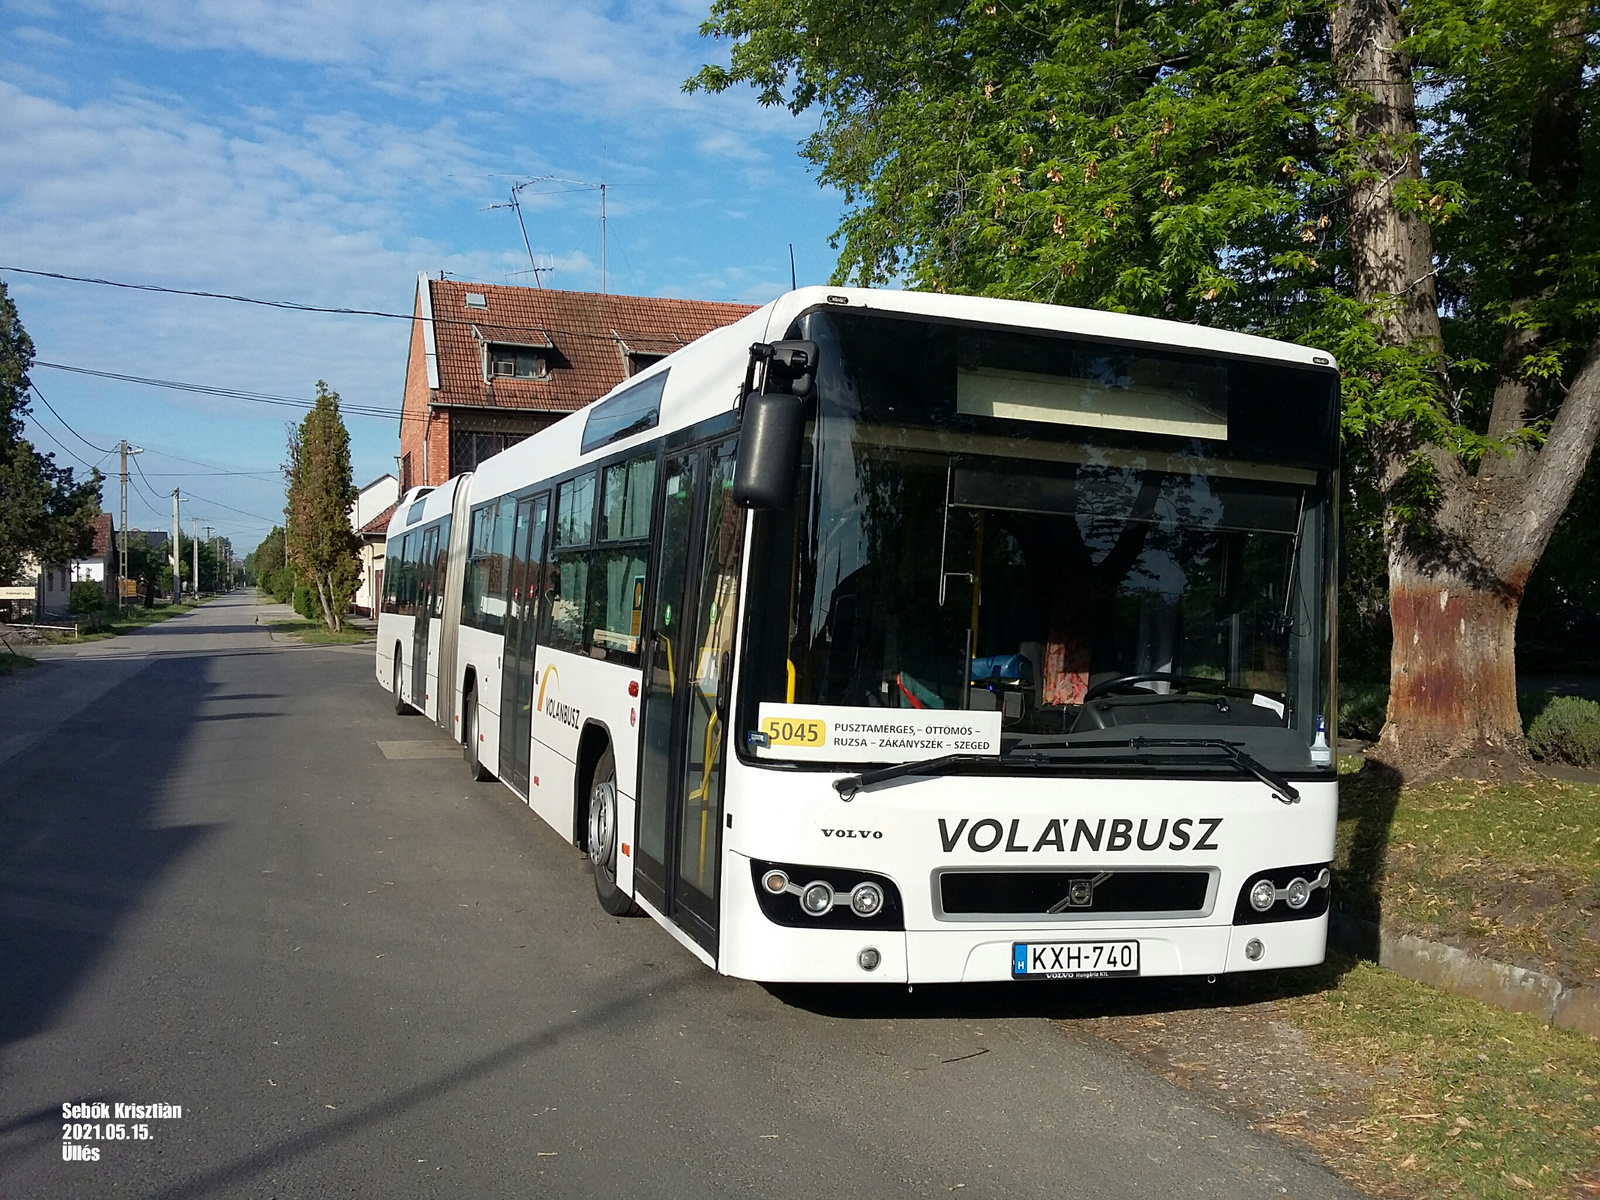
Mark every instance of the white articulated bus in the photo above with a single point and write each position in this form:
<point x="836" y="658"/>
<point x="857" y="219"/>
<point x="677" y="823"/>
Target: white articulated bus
<point x="891" y="636"/>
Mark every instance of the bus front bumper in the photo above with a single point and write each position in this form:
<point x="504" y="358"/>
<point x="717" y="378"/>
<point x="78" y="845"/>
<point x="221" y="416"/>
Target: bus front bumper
<point x="964" y="953"/>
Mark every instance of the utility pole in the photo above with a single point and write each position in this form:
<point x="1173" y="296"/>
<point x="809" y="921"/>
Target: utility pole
<point x="602" y="239"/>
<point x="217" y="580"/>
<point x="177" y="562"/>
<point x="122" y="555"/>
<point x="194" y="544"/>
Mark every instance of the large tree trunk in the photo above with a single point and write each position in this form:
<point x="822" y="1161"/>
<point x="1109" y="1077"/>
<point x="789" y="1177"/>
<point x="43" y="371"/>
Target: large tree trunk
<point x="1457" y="573"/>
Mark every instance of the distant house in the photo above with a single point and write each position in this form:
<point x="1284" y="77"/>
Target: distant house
<point x="53" y="582"/>
<point x="369" y="517"/>
<point x="489" y="364"/>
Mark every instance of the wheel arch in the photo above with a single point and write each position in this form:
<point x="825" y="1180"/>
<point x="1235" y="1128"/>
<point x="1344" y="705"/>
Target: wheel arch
<point x="592" y="743"/>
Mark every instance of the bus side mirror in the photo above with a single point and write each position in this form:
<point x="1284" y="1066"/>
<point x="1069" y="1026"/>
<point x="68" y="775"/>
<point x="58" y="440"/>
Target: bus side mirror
<point x="769" y="450"/>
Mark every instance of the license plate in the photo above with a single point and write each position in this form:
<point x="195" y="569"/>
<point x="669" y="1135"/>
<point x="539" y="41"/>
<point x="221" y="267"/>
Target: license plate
<point x="1073" y="960"/>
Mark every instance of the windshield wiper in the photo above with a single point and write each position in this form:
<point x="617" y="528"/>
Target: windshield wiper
<point x="1288" y="793"/>
<point x="851" y="784"/>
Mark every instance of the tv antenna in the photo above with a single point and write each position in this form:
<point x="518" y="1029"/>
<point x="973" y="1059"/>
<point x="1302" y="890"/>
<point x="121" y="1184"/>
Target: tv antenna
<point x="515" y="205"/>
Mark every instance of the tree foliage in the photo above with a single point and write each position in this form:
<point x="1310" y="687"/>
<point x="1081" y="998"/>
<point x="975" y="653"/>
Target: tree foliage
<point x="319" y="542"/>
<point x="1273" y="167"/>
<point x="44" y="511"/>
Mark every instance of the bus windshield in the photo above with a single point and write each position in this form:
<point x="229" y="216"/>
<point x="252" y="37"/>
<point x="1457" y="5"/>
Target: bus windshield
<point x="1097" y="541"/>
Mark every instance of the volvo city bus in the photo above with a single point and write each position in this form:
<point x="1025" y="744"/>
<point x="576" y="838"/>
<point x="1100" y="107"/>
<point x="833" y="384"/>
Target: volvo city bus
<point x="891" y="636"/>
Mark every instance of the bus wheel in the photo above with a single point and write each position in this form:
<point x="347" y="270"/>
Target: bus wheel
<point x="401" y="708"/>
<point x="480" y="773"/>
<point x="603" y="836"/>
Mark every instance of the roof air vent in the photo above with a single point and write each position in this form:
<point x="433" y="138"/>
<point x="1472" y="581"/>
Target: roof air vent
<point x="477" y="300"/>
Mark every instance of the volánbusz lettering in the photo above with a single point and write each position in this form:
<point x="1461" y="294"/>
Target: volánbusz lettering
<point x="1115" y="835"/>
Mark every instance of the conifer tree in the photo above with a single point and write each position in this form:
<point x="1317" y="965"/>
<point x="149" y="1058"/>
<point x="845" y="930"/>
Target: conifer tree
<point x="320" y="544"/>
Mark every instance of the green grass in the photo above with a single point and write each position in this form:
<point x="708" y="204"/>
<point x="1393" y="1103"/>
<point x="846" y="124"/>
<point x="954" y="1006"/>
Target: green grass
<point x="14" y="662"/>
<point x="1511" y="870"/>
<point x="131" y="619"/>
<point x="317" y="634"/>
<point x="1470" y="1101"/>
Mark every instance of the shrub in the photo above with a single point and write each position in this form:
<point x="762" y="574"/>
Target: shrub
<point x="1568" y="730"/>
<point x="1362" y="707"/>
<point x="86" y="597"/>
<point x="304" y="602"/>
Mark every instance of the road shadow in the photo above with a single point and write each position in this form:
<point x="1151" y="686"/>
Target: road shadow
<point x="80" y="843"/>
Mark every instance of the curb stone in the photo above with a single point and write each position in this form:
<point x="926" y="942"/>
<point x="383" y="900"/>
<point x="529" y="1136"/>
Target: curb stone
<point x="1471" y="975"/>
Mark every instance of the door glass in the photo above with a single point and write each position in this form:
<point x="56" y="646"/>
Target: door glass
<point x="522" y="608"/>
<point x="423" y="617"/>
<point x="662" y="667"/>
<point x="708" y="666"/>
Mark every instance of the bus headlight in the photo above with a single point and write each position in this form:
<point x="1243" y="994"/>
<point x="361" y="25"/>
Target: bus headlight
<point x="1297" y="893"/>
<point x="866" y="900"/>
<point x="1263" y="895"/>
<point x="817" y="899"/>
<point x="775" y="882"/>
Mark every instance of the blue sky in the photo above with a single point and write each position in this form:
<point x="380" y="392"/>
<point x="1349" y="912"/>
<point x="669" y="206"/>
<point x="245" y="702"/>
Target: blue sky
<point x="325" y="153"/>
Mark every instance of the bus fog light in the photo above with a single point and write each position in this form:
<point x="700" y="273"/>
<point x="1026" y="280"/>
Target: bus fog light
<point x="1263" y="895"/>
<point x="1253" y="949"/>
<point x="869" y="959"/>
<point x="866" y="900"/>
<point x="1297" y="893"/>
<point x="775" y="882"/>
<point x="817" y="899"/>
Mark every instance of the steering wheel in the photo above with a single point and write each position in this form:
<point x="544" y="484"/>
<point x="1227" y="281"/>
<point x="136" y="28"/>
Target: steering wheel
<point x="1125" y="683"/>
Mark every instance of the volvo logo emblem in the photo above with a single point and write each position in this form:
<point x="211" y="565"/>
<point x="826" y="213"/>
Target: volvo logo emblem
<point x="1080" y="893"/>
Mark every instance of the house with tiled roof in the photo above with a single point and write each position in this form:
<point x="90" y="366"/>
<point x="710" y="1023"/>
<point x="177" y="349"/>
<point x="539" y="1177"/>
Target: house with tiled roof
<point x="490" y="363"/>
<point x="53" y="582"/>
<point x="369" y="517"/>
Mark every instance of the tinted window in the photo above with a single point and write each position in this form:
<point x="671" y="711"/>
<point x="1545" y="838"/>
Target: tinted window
<point x="630" y="411"/>
<point x="568" y="583"/>
<point x="625" y="511"/>
<point x="497" y="567"/>
<point x="575" y="511"/>
<point x="480" y="544"/>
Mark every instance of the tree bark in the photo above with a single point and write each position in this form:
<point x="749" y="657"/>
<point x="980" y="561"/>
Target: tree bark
<point x="325" y="598"/>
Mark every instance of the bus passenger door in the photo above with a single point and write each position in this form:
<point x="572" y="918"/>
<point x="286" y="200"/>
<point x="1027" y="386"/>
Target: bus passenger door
<point x="422" y="621"/>
<point x="684" y="720"/>
<point x="716" y="603"/>
<point x="522" y="621"/>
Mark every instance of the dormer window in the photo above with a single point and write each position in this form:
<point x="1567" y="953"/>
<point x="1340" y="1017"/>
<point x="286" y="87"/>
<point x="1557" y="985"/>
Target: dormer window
<point x="515" y="362"/>
<point x="638" y="361"/>
<point x="476" y="300"/>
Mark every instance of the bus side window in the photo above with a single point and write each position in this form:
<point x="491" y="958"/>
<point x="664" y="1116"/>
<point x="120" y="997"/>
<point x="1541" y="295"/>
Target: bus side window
<point x="617" y="573"/>
<point x="476" y="578"/>
<point x="406" y="595"/>
<point x="498" y="566"/>
<point x="568" y="580"/>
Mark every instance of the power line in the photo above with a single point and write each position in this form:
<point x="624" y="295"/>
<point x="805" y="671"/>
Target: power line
<point x="208" y="389"/>
<point x="296" y="306"/>
<point x="63" y="421"/>
<point x="218" y="504"/>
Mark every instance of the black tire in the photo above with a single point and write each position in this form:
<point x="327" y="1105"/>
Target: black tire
<point x="469" y="724"/>
<point x="604" y="837"/>
<point x="401" y="708"/>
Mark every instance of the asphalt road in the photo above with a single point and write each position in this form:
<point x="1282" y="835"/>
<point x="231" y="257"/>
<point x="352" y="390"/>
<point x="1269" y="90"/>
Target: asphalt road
<point x="367" y="976"/>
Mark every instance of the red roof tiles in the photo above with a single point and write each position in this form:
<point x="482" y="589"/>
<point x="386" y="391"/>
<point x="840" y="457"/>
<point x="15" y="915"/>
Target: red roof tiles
<point x="380" y="523"/>
<point x="590" y="336"/>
